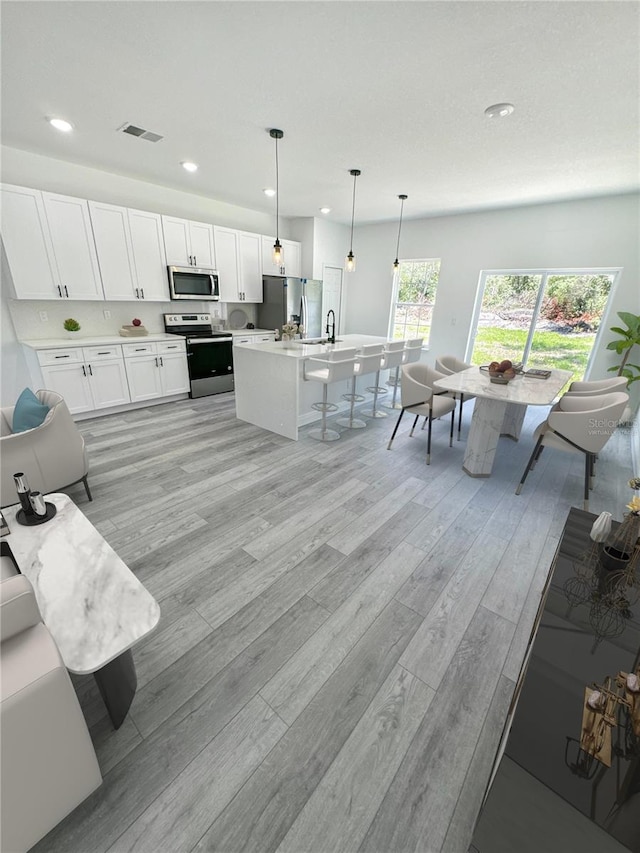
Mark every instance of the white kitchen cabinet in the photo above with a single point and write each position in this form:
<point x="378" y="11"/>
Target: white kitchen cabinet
<point x="291" y="258"/>
<point x="188" y="243"/>
<point x="88" y="378"/>
<point x="130" y="251"/>
<point x="250" y="338"/>
<point x="27" y="244"/>
<point x="239" y="265"/>
<point x="73" y="246"/>
<point x="156" y="369"/>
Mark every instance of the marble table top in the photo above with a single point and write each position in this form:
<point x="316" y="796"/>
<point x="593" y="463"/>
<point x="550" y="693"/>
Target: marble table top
<point x="522" y="389"/>
<point x="92" y="603"/>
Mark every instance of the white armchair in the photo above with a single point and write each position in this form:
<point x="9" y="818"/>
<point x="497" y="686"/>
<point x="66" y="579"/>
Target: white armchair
<point x="447" y="365"/>
<point x="52" y="455"/>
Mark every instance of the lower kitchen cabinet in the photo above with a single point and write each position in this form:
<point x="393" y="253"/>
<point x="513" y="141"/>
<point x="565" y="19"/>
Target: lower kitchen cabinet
<point x="156" y="370"/>
<point x="89" y="378"/>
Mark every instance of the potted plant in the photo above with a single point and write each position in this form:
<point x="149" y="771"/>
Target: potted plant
<point x="627" y="339"/>
<point x="71" y="326"/>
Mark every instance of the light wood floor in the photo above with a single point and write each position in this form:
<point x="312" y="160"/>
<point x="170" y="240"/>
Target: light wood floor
<point x="342" y="628"/>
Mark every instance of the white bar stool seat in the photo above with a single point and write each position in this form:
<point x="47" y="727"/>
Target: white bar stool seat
<point x="391" y="350"/>
<point x="368" y="360"/>
<point x="335" y="366"/>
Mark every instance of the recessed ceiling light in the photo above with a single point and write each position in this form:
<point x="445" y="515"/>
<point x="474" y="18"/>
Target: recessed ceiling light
<point x="499" y="110"/>
<point x="268" y="191"/>
<point x="325" y="210"/>
<point x="190" y="167"/>
<point x="60" y="124"/>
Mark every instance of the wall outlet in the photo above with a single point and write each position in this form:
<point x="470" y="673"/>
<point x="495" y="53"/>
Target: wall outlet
<point x="107" y="314"/>
<point x="44" y="317"/>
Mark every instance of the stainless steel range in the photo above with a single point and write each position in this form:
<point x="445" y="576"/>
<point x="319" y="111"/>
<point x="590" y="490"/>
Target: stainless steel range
<point x="209" y="353"/>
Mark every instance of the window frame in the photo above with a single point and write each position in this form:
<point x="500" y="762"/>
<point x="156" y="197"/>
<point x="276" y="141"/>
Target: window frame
<point x="395" y="293"/>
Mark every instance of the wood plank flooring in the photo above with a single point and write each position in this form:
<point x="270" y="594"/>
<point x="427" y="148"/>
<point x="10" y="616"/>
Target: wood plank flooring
<point x="342" y="628"/>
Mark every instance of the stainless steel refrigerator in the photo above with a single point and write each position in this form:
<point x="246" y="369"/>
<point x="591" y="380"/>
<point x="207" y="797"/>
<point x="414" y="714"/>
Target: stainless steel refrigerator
<point x="297" y="300"/>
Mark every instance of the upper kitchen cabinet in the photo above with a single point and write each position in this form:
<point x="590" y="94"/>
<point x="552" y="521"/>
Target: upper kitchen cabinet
<point x="188" y="243"/>
<point x="73" y="246"/>
<point x="130" y="250"/>
<point x="291" y="258"/>
<point x="27" y="244"/>
<point x="239" y="265"/>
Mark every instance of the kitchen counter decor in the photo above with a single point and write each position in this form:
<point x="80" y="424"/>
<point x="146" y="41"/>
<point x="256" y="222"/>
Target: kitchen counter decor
<point x="133" y="331"/>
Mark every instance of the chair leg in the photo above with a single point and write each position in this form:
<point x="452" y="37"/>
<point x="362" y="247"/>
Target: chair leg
<point x="429" y="438"/>
<point x="395" y="430"/>
<point x="460" y="415"/>
<point x="592" y="471"/>
<point x="529" y="465"/>
<point x="587" y="475"/>
<point x="395" y="387"/>
<point x="86" y="487"/>
<point x="453" y="423"/>
<point x="538" y="455"/>
<point x="414" y="426"/>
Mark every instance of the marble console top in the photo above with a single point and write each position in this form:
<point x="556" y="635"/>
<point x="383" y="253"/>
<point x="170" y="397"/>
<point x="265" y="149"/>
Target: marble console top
<point x="300" y="350"/>
<point x="94" y="606"/>
<point x="522" y="389"/>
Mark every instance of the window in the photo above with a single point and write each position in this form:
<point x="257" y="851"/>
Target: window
<point x="415" y="295"/>
<point x="546" y="318"/>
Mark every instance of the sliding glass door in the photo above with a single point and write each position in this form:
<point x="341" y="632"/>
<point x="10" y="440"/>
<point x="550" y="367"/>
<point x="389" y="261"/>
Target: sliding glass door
<point x="542" y="318"/>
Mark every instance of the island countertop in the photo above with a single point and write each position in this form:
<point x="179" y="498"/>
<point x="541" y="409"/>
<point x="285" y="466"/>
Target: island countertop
<point x="300" y="349"/>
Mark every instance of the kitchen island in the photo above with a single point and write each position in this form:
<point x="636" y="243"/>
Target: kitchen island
<point x="271" y="391"/>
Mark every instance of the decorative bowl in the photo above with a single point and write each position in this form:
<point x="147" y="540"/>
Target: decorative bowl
<point x="495" y="376"/>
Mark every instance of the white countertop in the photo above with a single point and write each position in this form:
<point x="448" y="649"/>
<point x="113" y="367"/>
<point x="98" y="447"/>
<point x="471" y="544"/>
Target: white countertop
<point x="96" y="341"/>
<point x="299" y="349"/>
<point x="249" y="331"/>
<point x="522" y="389"/>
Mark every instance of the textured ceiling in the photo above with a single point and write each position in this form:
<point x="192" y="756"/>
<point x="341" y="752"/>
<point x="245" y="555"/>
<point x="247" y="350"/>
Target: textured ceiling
<point x="397" y="89"/>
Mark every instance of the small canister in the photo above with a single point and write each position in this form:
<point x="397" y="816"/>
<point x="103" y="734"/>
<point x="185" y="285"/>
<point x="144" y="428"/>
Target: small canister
<point x="38" y="504"/>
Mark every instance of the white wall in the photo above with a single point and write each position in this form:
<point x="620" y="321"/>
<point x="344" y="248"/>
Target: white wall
<point x="330" y="246"/>
<point x="599" y="232"/>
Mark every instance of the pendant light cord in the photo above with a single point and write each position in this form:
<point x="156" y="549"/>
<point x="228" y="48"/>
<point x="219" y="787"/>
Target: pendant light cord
<point x="277" y="194"/>
<point x="399" y="228"/>
<point x="353" y="211"/>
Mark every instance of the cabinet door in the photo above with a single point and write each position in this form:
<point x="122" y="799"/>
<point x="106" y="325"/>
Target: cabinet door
<point x="227" y="257"/>
<point x="73" y="246"/>
<point x="250" y="263"/>
<point x="143" y="376"/>
<point x="268" y="267"/>
<point x="27" y="244"/>
<point x="115" y="252"/>
<point x="176" y="241"/>
<point x="173" y="373"/>
<point x="202" y="246"/>
<point x="292" y="258"/>
<point x="148" y="255"/>
<point x="108" y="382"/>
<point x="71" y="381"/>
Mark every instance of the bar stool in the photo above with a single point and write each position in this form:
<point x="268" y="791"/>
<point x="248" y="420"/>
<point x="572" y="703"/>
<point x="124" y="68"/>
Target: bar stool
<point x="367" y="361"/>
<point x="390" y="350"/>
<point x="449" y="364"/>
<point x="394" y="359"/>
<point x="337" y="365"/>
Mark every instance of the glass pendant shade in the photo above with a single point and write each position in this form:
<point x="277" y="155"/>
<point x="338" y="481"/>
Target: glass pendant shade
<point x="277" y="253"/>
<point x="350" y="262"/>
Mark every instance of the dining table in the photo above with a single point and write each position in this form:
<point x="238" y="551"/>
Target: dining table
<point x="499" y="409"/>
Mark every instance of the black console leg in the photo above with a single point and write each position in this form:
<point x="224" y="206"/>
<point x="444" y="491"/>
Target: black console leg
<point x="117" y="682"/>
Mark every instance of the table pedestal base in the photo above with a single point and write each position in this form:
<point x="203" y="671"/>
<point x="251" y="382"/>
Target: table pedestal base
<point x="491" y="418"/>
<point x="117" y="682"/>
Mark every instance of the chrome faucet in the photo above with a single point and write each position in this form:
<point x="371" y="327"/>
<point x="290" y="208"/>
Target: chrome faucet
<point x="331" y="337"/>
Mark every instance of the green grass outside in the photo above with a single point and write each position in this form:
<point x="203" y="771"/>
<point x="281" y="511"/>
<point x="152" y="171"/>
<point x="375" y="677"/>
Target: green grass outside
<point x="549" y="349"/>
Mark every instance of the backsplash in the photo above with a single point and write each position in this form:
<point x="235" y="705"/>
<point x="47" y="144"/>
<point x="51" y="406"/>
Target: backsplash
<point x="91" y="315"/>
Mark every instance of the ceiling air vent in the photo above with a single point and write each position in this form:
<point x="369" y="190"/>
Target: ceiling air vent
<point x="133" y="130"/>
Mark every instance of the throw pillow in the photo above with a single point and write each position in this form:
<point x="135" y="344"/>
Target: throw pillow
<point x="29" y="412"/>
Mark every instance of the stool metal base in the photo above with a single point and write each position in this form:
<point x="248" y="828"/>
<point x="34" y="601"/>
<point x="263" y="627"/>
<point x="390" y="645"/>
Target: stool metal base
<point x="351" y="423"/>
<point x="370" y="413"/>
<point x="392" y="405"/>
<point x="324" y="434"/>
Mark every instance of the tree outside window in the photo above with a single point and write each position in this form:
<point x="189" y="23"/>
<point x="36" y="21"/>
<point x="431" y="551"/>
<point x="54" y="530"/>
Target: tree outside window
<point x="416" y="285"/>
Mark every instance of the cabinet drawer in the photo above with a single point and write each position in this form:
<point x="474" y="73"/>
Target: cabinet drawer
<point x="60" y="356"/>
<point x="100" y="353"/>
<point x="171" y="346"/>
<point x="263" y="338"/>
<point x="132" y="350"/>
<point x="245" y="340"/>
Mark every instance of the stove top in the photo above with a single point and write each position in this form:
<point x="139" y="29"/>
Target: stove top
<point x="191" y="326"/>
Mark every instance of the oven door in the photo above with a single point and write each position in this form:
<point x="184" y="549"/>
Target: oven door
<point x="210" y="365"/>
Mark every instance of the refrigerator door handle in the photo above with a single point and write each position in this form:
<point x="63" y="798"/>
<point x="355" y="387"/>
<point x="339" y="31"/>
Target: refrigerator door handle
<point x="303" y="316"/>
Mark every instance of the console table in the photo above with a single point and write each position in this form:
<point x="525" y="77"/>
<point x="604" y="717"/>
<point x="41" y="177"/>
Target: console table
<point x="91" y="602"/>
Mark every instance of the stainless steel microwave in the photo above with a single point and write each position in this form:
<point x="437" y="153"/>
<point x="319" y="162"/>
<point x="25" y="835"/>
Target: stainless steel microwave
<point x="193" y="283"/>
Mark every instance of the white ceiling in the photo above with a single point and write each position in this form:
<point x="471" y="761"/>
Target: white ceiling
<point x="397" y="89"/>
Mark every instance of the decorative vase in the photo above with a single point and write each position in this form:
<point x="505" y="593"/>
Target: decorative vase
<point x="621" y="545"/>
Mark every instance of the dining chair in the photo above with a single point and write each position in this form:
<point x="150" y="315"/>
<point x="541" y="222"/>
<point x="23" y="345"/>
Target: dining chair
<point x="599" y="386"/>
<point x="420" y="398"/>
<point x="449" y="364"/>
<point x="579" y="425"/>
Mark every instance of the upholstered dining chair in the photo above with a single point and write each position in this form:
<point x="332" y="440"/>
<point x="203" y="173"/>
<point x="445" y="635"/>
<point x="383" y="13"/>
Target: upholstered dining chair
<point x="579" y="425"/>
<point x="52" y="455"/>
<point x="448" y="364"/>
<point x="419" y="398"/>
<point x="599" y="386"/>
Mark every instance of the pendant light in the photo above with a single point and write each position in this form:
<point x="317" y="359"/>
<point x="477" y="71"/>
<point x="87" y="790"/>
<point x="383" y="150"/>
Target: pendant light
<point x="351" y="261"/>
<point x="396" y="263"/>
<point x="276" y="134"/>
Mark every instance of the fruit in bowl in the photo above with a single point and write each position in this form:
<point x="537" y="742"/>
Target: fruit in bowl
<point x="501" y="372"/>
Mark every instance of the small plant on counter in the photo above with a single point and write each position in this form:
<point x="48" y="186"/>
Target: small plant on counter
<point x="71" y="325"/>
